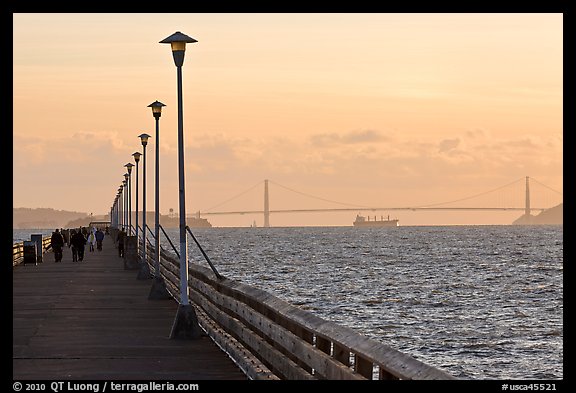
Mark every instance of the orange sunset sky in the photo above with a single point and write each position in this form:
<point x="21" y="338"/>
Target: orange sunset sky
<point x="385" y="110"/>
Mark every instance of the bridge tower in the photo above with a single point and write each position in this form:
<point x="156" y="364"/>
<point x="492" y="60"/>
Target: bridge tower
<point x="527" y="205"/>
<point x="266" y="205"/>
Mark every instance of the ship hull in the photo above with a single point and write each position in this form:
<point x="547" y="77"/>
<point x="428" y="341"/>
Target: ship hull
<point x="376" y="224"/>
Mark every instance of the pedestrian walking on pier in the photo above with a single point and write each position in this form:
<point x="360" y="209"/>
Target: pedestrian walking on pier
<point x="66" y="235"/>
<point x="71" y="246"/>
<point x="99" y="238"/>
<point x="57" y="242"/>
<point x="78" y="242"/>
<point x="91" y="240"/>
<point x="120" y="239"/>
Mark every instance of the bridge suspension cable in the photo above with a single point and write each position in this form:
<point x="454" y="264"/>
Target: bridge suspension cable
<point x="351" y="207"/>
<point x="472" y="196"/>
<point x="550" y="188"/>
<point x="234" y="197"/>
<point x="319" y="198"/>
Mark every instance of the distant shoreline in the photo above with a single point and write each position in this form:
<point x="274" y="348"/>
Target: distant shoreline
<point x="39" y="218"/>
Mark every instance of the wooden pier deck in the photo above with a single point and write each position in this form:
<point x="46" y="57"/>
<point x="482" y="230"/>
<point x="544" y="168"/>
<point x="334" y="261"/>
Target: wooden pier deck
<point x="93" y="320"/>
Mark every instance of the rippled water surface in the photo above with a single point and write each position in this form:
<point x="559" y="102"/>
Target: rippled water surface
<point x="480" y="302"/>
<point x="20" y="235"/>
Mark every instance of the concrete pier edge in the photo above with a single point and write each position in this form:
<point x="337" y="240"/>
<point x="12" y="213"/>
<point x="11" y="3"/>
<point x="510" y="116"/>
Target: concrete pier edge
<point x="144" y="272"/>
<point x="186" y="324"/>
<point x="158" y="291"/>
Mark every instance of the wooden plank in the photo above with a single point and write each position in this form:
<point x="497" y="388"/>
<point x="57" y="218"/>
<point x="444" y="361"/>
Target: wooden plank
<point x="277" y="362"/>
<point x="250" y="364"/>
<point x="306" y="336"/>
<point x="342" y="354"/>
<point x="18" y="250"/>
<point x="384" y="375"/>
<point x="92" y="320"/>
<point x="363" y="366"/>
<point x="285" y="339"/>
<point x="401" y="365"/>
<point x="324" y="345"/>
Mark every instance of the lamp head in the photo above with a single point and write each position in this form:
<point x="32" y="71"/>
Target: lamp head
<point x="137" y="156"/>
<point x="178" y="43"/>
<point x="144" y="139"/>
<point x="156" y="108"/>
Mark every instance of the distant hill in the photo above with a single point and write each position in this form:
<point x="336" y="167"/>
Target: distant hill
<point x="27" y="218"/>
<point x="46" y="218"/>
<point x="552" y="216"/>
<point x="85" y="221"/>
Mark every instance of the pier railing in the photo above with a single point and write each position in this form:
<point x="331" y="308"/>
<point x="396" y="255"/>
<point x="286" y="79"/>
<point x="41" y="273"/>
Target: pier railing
<point x="18" y="250"/>
<point x="282" y="340"/>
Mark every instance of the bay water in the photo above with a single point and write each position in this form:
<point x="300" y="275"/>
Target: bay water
<point x="479" y="302"/>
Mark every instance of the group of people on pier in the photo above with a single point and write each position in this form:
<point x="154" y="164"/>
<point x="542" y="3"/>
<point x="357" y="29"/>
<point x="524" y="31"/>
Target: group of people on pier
<point x="76" y="240"/>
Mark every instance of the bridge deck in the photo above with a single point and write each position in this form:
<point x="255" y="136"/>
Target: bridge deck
<point x="93" y="320"/>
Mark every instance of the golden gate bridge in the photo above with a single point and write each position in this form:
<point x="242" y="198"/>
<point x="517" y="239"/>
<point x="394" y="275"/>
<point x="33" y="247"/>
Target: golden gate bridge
<point x="527" y="206"/>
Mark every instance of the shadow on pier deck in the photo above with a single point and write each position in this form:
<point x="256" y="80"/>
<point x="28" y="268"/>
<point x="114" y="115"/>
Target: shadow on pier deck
<point x="93" y="320"/>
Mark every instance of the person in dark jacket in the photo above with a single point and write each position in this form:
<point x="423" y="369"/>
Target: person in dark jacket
<point x="57" y="242"/>
<point x="78" y="242"/>
<point x="99" y="238"/>
<point x="71" y="246"/>
<point x="120" y="238"/>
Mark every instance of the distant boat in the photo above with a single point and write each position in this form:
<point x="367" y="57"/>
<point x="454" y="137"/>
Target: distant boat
<point x="362" y="221"/>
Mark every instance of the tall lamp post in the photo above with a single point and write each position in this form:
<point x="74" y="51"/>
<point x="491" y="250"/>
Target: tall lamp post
<point x="186" y="322"/>
<point x="114" y="219"/>
<point x="129" y="167"/>
<point x="115" y="212"/>
<point x="158" y="290"/>
<point x="136" y="156"/>
<point x="144" y="272"/>
<point x="119" y="209"/>
<point x="123" y="205"/>
<point x="127" y="196"/>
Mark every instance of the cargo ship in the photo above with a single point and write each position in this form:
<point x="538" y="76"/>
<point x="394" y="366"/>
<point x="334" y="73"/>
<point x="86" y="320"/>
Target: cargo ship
<point x="362" y="221"/>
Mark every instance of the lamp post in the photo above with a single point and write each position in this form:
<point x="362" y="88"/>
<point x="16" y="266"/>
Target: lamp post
<point x="136" y="156"/>
<point x="121" y="204"/>
<point x="144" y="272"/>
<point x="186" y="322"/>
<point x="127" y="211"/>
<point x="158" y="290"/>
<point x="115" y="212"/>
<point x="119" y="207"/>
<point x="125" y="201"/>
<point x="129" y="167"/>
